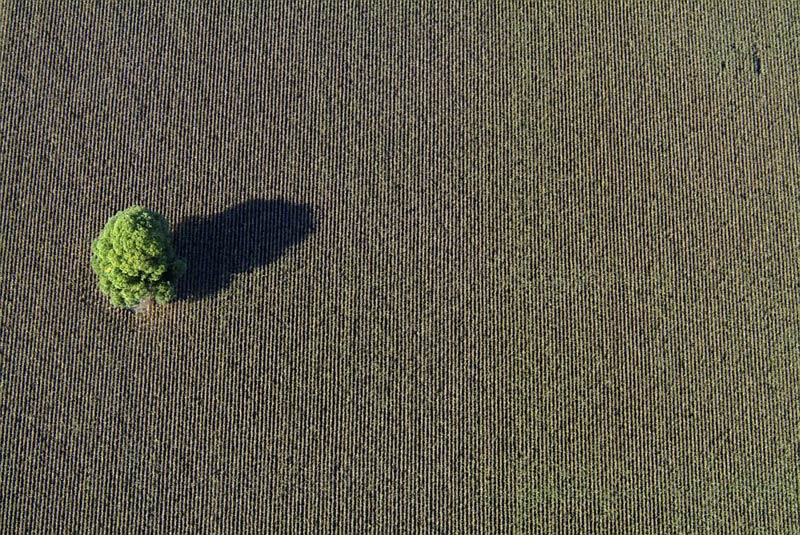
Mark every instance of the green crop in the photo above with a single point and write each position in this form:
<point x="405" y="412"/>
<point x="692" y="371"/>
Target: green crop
<point x="134" y="258"/>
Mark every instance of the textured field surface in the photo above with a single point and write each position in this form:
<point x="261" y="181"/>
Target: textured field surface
<point x="464" y="269"/>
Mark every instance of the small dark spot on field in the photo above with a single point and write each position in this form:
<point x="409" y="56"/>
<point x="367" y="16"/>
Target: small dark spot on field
<point x="756" y="61"/>
<point x="238" y="240"/>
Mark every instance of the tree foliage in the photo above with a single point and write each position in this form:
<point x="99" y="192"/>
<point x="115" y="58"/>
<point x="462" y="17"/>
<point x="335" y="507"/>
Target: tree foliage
<point x="134" y="258"/>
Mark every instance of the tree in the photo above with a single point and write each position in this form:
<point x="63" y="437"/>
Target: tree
<point x="135" y="260"/>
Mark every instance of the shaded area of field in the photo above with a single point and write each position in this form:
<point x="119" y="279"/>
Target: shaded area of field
<point x="454" y="270"/>
<point x="245" y="237"/>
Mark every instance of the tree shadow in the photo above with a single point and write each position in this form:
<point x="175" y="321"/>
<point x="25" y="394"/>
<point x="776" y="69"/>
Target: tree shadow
<point x="238" y="240"/>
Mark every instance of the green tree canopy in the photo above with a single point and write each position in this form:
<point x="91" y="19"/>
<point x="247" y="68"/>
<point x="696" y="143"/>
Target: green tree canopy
<point x="134" y="258"/>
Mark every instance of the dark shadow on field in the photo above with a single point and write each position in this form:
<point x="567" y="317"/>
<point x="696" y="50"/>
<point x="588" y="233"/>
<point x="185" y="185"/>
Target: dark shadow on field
<point x="238" y="240"/>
